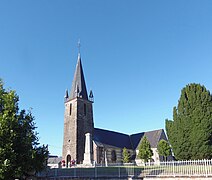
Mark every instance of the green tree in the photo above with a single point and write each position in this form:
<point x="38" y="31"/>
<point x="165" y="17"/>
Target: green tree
<point x="126" y="156"/>
<point x="20" y="153"/>
<point x="164" y="149"/>
<point x="190" y="131"/>
<point x="145" y="151"/>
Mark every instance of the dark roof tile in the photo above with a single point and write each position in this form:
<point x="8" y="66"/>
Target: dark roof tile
<point x="112" y="138"/>
<point x="135" y="139"/>
<point x="120" y="140"/>
<point x="153" y="137"/>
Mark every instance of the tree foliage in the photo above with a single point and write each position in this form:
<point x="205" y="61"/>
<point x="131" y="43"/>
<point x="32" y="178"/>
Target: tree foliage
<point x="190" y="132"/>
<point x="20" y="153"/>
<point x="145" y="151"/>
<point x="164" y="148"/>
<point x="126" y="156"/>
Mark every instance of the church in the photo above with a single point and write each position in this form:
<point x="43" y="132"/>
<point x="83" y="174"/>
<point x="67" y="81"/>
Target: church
<point x="106" y="146"/>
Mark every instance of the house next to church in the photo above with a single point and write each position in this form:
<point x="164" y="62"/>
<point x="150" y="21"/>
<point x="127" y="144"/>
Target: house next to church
<point x="106" y="146"/>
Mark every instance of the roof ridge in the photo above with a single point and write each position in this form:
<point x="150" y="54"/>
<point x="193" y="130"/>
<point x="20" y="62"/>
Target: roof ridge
<point x="112" y="131"/>
<point x="136" y="133"/>
<point x="146" y="132"/>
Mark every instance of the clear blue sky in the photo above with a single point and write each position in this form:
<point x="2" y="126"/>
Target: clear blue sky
<point x="137" y="56"/>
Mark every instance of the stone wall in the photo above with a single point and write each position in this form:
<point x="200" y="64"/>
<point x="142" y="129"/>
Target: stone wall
<point x="99" y="157"/>
<point x="78" y="120"/>
<point x="70" y="130"/>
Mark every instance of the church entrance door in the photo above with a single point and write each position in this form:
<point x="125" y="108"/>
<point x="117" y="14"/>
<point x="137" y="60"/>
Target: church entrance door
<point x="68" y="161"/>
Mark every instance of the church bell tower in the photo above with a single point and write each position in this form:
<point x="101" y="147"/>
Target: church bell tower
<point x="78" y="117"/>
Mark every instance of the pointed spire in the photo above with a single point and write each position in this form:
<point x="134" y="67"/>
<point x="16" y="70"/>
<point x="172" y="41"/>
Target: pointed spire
<point x="91" y="94"/>
<point x="91" y="98"/>
<point x="78" y="85"/>
<point x="66" y="94"/>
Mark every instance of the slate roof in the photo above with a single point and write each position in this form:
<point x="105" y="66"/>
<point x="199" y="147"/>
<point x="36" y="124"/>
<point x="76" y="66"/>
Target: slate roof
<point x="112" y="138"/>
<point x="153" y="137"/>
<point x="78" y="88"/>
<point x="120" y="140"/>
<point x="135" y="139"/>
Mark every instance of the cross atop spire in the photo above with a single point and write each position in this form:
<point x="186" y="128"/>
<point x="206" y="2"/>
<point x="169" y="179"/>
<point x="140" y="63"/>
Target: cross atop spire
<point x="78" y="45"/>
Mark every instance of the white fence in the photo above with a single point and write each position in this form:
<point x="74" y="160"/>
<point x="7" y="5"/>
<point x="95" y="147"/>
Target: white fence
<point x="193" y="168"/>
<point x="179" y="168"/>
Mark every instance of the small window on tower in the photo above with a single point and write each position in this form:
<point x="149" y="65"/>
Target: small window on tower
<point x="85" y="109"/>
<point x="70" y="109"/>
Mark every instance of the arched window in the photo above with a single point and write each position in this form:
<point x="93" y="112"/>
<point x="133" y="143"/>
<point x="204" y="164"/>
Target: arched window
<point x="113" y="156"/>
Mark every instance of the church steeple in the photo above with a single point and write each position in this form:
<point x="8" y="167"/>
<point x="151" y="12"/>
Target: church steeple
<point x="78" y="117"/>
<point x="78" y="85"/>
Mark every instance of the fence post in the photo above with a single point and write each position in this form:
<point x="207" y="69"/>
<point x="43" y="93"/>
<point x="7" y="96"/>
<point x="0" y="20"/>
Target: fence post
<point x="173" y="168"/>
<point x="205" y="163"/>
<point x="198" y="167"/>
